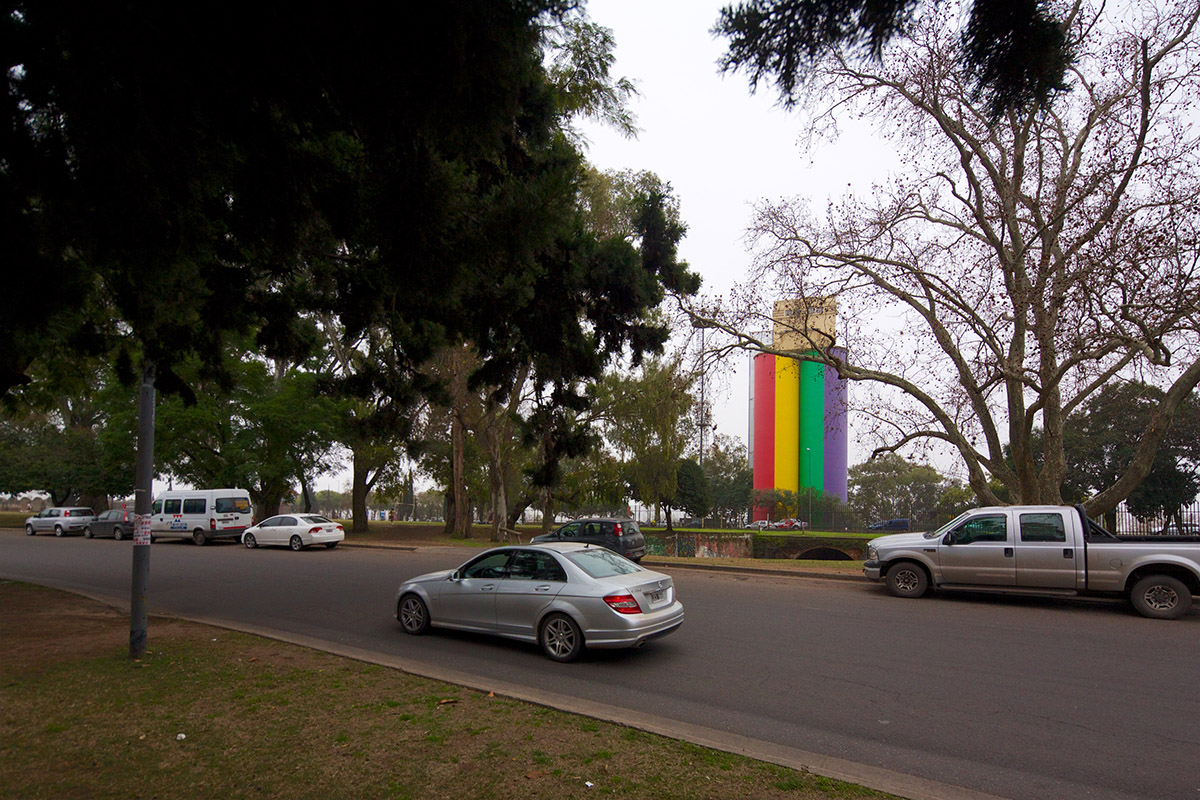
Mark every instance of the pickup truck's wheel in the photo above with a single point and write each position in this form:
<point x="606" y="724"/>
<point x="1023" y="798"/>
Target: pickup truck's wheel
<point x="907" y="579"/>
<point x="1161" y="597"/>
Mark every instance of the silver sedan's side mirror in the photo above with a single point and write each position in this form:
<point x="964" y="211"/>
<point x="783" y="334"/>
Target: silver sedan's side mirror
<point x="455" y="576"/>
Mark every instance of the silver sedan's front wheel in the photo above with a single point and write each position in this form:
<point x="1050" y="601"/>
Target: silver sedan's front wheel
<point x="249" y="540"/>
<point x="561" y="638"/>
<point x="413" y="615"/>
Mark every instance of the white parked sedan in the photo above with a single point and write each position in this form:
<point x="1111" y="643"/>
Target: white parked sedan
<point x="296" y="531"/>
<point x="564" y="597"/>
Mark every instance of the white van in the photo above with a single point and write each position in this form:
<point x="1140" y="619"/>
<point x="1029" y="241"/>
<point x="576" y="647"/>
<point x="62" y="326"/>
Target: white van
<point x="201" y="514"/>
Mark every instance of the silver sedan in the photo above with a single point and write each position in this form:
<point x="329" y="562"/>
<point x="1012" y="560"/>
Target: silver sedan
<point x="563" y="597"/>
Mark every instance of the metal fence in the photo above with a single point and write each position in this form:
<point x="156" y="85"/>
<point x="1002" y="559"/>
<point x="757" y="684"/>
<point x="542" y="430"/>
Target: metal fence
<point x="1127" y="523"/>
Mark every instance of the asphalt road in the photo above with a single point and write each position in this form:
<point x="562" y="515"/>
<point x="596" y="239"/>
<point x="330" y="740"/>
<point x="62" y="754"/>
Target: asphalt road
<point x="1011" y="697"/>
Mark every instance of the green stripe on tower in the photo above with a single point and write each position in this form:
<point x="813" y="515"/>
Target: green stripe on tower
<point x="812" y="425"/>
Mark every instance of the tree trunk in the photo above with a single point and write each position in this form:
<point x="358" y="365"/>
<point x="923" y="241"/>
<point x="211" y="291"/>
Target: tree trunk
<point x="358" y="496"/>
<point x="499" y="490"/>
<point x="460" y="525"/>
<point x="547" y="510"/>
<point x="306" y="500"/>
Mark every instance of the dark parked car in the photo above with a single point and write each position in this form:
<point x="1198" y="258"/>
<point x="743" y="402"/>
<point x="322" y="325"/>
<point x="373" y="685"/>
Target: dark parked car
<point x="116" y="522"/>
<point x="60" y="519"/>
<point x="619" y="535"/>
<point x="890" y="525"/>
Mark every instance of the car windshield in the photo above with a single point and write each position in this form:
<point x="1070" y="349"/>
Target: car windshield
<point x="601" y="563"/>
<point x="952" y="523"/>
<point x="314" y="518"/>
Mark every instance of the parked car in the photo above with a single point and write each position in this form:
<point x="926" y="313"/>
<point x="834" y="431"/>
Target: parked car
<point x="1183" y="529"/>
<point x="1040" y="550"/>
<point x="789" y="525"/>
<point x="200" y="514"/>
<point x="296" y="531"/>
<point x="59" y="519"/>
<point x="116" y="522"/>
<point x="562" y="596"/>
<point x="757" y="525"/>
<point x="619" y="535"/>
<point x="890" y="525"/>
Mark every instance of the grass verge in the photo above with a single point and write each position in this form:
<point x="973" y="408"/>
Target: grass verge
<point x="209" y="713"/>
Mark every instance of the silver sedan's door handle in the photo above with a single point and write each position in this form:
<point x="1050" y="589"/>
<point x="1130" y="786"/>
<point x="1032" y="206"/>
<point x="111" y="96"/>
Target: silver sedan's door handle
<point x="487" y="587"/>
<point x="545" y="587"/>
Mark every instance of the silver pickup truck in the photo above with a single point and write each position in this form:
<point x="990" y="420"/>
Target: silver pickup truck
<point x="1040" y="550"/>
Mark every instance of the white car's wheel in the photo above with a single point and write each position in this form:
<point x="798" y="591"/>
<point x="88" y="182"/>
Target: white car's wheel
<point x="296" y="543"/>
<point x="249" y="540"/>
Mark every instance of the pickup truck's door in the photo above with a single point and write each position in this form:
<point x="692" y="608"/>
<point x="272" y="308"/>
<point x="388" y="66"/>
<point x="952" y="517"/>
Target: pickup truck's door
<point x="979" y="551"/>
<point x="1045" y="557"/>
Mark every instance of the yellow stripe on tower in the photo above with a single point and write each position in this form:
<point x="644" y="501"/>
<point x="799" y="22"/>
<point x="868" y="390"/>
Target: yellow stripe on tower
<point x="787" y="423"/>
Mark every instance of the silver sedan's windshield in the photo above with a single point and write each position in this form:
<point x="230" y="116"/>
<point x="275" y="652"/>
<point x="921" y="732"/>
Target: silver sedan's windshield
<point x="601" y="563"/>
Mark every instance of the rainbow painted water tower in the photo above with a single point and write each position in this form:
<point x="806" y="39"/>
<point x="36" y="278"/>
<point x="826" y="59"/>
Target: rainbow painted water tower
<point x="799" y="435"/>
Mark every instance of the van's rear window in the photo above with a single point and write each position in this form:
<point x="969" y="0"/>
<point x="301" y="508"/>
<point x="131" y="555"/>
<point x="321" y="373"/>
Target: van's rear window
<point x="233" y="505"/>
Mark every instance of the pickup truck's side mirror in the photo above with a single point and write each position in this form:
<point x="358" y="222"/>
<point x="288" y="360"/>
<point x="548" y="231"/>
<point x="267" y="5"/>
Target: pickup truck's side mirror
<point x="949" y="538"/>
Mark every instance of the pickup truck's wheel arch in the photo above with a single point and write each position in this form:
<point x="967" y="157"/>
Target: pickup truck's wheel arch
<point x="1160" y="597"/>
<point x="907" y="579"/>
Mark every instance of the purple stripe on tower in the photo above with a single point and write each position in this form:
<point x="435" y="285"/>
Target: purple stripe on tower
<point x="837" y="429"/>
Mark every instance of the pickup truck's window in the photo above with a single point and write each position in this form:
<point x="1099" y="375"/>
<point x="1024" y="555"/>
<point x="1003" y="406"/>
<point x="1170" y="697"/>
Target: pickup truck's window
<point x="992" y="528"/>
<point x="1043" y="528"/>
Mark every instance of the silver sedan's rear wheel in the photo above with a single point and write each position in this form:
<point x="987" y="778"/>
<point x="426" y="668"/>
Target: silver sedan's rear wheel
<point x="907" y="579"/>
<point x="413" y="615"/>
<point x="249" y="540"/>
<point x="296" y="542"/>
<point x="1161" y="597"/>
<point x="561" y="638"/>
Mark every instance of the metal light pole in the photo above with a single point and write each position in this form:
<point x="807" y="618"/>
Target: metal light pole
<point x="143" y="497"/>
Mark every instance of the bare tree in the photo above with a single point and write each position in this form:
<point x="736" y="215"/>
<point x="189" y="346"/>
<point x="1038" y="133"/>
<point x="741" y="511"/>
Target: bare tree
<point x="1017" y="265"/>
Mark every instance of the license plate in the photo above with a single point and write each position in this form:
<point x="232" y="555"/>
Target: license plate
<point x="656" y="597"/>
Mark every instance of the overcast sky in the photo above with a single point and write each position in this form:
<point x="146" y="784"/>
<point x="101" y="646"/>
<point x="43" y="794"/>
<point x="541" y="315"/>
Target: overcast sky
<point x="721" y="148"/>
